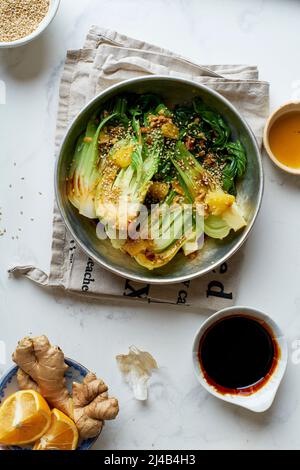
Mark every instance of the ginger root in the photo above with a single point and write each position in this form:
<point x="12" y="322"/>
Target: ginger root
<point x="42" y="368"/>
<point x="92" y="406"/>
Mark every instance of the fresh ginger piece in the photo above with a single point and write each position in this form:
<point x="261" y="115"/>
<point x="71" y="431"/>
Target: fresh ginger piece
<point x="218" y="201"/>
<point x="42" y="368"/>
<point x="92" y="406"/>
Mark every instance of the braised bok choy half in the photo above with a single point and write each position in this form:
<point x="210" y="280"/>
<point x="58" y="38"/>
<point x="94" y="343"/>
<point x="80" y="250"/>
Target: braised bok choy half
<point x="157" y="180"/>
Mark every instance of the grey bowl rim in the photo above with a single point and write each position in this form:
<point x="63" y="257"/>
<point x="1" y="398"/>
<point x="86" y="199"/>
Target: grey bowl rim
<point x="139" y="278"/>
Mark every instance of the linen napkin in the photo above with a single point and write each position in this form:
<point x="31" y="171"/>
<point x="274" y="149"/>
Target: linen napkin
<point x="108" y="58"/>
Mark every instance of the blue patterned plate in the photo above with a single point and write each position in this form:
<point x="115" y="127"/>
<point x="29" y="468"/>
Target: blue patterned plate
<point x="75" y="373"/>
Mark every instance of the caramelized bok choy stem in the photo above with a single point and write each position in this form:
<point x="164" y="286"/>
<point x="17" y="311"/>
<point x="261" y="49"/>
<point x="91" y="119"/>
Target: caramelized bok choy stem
<point x="126" y="178"/>
<point x="84" y="173"/>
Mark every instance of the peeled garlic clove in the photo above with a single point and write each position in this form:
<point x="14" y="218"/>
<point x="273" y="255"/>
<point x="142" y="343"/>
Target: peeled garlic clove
<point x="136" y="368"/>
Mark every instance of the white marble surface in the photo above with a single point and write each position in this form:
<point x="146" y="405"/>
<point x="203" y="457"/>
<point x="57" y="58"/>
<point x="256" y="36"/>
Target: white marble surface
<point x="179" y="413"/>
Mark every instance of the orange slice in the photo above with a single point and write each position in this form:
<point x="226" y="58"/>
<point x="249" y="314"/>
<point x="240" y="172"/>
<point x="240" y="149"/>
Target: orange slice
<point x="61" y="435"/>
<point x="24" y="417"/>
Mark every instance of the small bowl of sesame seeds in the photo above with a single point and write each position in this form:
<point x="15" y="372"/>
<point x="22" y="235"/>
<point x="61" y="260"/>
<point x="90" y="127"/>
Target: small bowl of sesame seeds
<point x="21" y="21"/>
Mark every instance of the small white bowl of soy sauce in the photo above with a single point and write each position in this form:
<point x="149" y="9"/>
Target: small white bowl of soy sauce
<point x="240" y="356"/>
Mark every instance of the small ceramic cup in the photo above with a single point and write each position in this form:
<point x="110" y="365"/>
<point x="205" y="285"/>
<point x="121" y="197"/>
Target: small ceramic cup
<point x="292" y="106"/>
<point x="53" y="7"/>
<point x="261" y="399"/>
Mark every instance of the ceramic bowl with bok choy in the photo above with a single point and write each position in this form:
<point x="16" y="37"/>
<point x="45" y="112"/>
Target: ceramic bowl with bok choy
<point x="159" y="179"/>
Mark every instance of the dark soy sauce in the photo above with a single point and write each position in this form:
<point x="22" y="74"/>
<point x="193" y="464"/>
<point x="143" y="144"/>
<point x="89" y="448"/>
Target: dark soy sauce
<point x="238" y="354"/>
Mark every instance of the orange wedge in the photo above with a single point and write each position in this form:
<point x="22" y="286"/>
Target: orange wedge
<point x="61" y="435"/>
<point x="24" y="417"/>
